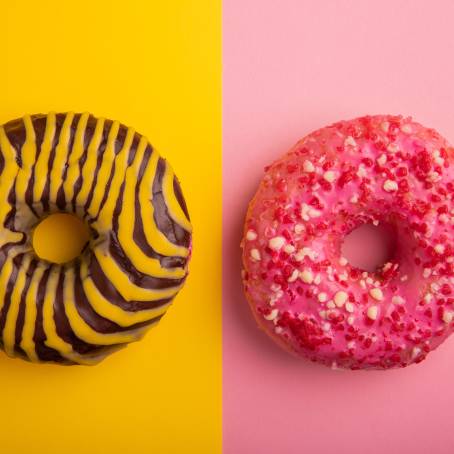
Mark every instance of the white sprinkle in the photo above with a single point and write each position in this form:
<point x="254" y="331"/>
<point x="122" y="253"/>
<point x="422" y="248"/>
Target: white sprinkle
<point x="382" y="160"/>
<point x="392" y="148"/>
<point x="406" y="128"/>
<point x="384" y="126"/>
<point x="326" y="326"/>
<point x="275" y="287"/>
<point x="308" y="166"/>
<point x="397" y="300"/>
<point x="276" y="243"/>
<point x="415" y="352"/>
<point x="307" y="276"/>
<point x="343" y="261"/>
<point x="372" y="312"/>
<point x="351" y="320"/>
<point x="354" y="199"/>
<point x="255" y="255"/>
<point x="298" y="228"/>
<point x="428" y="298"/>
<point x="426" y="273"/>
<point x="390" y="186"/>
<point x="433" y="176"/>
<point x="293" y="277"/>
<point x="251" y="235"/>
<point x="330" y="305"/>
<point x="272" y="315"/>
<point x="313" y="213"/>
<point x="340" y="298"/>
<point x="278" y="329"/>
<point x="362" y="284"/>
<point x="447" y="316"/>
<point x="349" y="307"/>
<point x="317" y="279"/>
<point x="369" y="280"/>
<point x="404" y="278"/>
<point x="439" y="249"/>
<point x="322" y="314"/>
<point x="350" y="141"/>
<point x="322" y="297"/>
<point x="329" y="176"/>
<point x="362" y="172"/>
<point x="351" y="344"/>
<point x="289" y="249"/>
<point x="376" y="294"/>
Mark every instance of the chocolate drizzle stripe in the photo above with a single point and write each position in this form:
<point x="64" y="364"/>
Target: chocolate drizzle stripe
<point x="132" y="268"/>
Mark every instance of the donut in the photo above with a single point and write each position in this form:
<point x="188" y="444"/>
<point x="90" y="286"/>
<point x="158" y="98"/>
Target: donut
<point x="382" y="170"/>
<point x="135" y="262"/>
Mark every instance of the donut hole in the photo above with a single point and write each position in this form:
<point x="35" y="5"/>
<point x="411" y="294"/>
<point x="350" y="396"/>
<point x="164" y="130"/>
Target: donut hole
<point x="60" y="238"/>
<point x="369" y="247"/>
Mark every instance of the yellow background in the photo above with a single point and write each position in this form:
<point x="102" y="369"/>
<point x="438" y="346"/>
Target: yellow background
<point x="154" y="65"/>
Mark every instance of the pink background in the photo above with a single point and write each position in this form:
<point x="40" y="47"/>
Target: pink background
<point x="291" y="66"/>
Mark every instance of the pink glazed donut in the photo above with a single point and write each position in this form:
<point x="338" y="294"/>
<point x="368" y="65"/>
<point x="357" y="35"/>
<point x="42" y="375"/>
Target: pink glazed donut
<point x="381" y="170"/>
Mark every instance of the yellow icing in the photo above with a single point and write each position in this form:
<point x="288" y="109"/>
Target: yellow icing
<point x="175" y="210"/>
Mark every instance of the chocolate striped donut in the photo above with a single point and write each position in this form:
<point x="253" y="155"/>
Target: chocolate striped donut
<point x="136" y="260"/>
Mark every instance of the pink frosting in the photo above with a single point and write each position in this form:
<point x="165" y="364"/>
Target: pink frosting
<point x="384" y="170"/>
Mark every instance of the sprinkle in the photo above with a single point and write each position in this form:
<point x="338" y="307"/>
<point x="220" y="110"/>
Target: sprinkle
<point x="397" y="300"/>
<point x="322" y="314"/>
<point x="372" y="312"/>
<point x="439" y="249"/>
<point x="393" y="148"/>
<point x="350" y="141"/>
<point x="384" y="126"/>
<point x="276" y="243"/>
<point x="404" y="278"/>
<point x="362" y="284"/>
<point x="343" y="261"/>
<point x="349" y="307"/>
<point x="255" y="255"/>
<point x="351" y="345"/>
<point x="306" y="251"/>
<point x="406" y="129"/>
<point x="298" y="228"/>
<point x="426" y="273"/>
<point x="340" y="298"/>
<point x="351" y="320"/>
<point x="317" y="279"/>
<point x="278" y="329"/>
<point x="390" y="186"/>
<point x="322" y="297"/>
<point x="307" y="276"/>
<point x="376" y="294"/>
<point x="330" y="305"/>
<point x="289" y="249"/>
<point x="354" y="199"/>
<point x="382" y="160"/>
<point x="428" y="298"/>
<point x="293" y="277"/>
<point x="313" y="213"/>
<point x="375" y="222"/>
<point x="447" y="316"/>
<point x="415" y="352"/>
<point x="308" y="166"/>
<point x="326" y="326"/>
<point x="329" y="176"/>
<point x="251" y="235"/>
<point x="272" y="315"/>
<point x="275" y="287"/>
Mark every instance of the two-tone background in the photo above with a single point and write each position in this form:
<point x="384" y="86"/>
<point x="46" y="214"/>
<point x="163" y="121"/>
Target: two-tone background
<point x="221" y="90"/>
